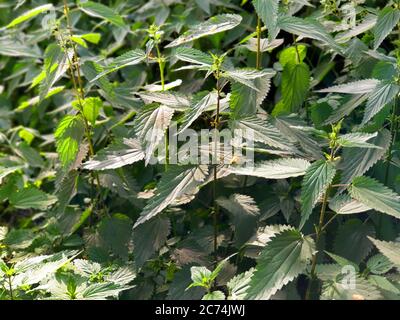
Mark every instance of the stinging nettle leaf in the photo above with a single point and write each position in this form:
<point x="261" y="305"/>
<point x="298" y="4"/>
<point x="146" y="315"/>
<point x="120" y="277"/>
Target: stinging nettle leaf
<point x="98" y="10"/>
<point x="31" y="197"/>
<point x="316" y="181"/>
<point x="30" y="14"/>
<point x="175" y="183"/>
<point x="375" y="195"/>
<point x="282" y="260"/>
<point x="116" y="155"/>
<point x="388" y="18"/>
<point x="391" y="250"/>
<point x="150" y="126"/>
<point x="384" y="93"/>
<point x="267" y="10"/>
<point x="356" y="87"/>
<point x="356" y="161"/>
<point x="213" y="25"/>
<point x="129" y="58"/>
<point x="274" y="169"/>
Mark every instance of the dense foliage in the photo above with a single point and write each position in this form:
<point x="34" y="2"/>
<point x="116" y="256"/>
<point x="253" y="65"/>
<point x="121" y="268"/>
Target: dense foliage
<point x="90" y="92"/>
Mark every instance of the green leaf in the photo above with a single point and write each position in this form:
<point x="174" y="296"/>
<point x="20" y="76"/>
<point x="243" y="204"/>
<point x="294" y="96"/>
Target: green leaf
<point x="351" y="241"/>
<point x="245" y="101"/>
<point x="98" y="10"/>
<point x="295" y="54"/>
<point x="262" y="131"/>
<point x="198" y="106"/>
<point x="31" y="198"/>
<point x="379" y="264"/>
<point x="213" y="25"/>
<point x="356" y="87"/>
<point x="274" y="169"/>
<point x="239" y="285"/>
<point x="69" y="135"/>
<point x="214" y="295"/>
<point x="245" y="215"/>
<point x="316" y="181"/>
<point x="391" y="250"/>
<point x="200" y="277"/>
<point x="91" y="108"/>
<point x="357" y="140"/>
<point x="344" y="204"/>
<point x="116" y="155"/>
<point x="388" y="18"/>
<point x="283" y="259"/>
<point x="247" y="77"/>
<point x="30" y="14"/>
<point x="294" y="87"/>
<point x="375" y="195"/>
<point x="115" y="233"/>
<point x="145" y="246"/>
<point x="129" y="58"/>
<point x="307" y="28"/>
<point x="362" y="290"/>
<point x="150" y="126"/>
<point x="192" y="55"/>
<point x="384" y="93"/>
<point x="176" y="182"/>
<point x="267" y="10"/>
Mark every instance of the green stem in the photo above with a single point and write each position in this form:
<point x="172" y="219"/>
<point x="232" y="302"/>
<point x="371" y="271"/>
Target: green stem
<point x="393" y="131"/>
<point x="259" y="53"/>
<point x="10" y="287"/>
<point x="216" y="206"/>
<point x="319" y="232"/>
<point x="78" y="87"/>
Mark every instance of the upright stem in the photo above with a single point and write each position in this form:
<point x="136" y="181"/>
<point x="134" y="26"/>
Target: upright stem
<point x="393" y="131"/>
<point x="319" y="232"/>
<point x="78" y="87"/>
<point x="161" y="66"/>
<point x="259" y="53"/>
<point x="216" y="206"/>
<point x="10" y="288"/>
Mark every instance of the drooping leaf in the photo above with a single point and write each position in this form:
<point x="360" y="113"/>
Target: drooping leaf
<point x="239" y="285"/>
<point x="213" y="25"/>
<point x="384" y="93"/>
<point x="248" y="77"/>
<point x="177" y="182"/>
<point x="195" y="56"/>
<point x="351" y="241"/>
<point x="31" y="198"/>
<point x="245" y="213"/>
<point x="388" y="18"/>
<point x="283" y="259"/>
<point x="317" y="179"/>
<point x="375" y="195"/>
<point x="150" y="126"/>
<point x="145" y="245"/>
<point x="344" y="204"/>
<point x="116" y="155"/>
<point x="307" y="28"/>
<point x="356" y="161"/>
<point x="129" y="58"/>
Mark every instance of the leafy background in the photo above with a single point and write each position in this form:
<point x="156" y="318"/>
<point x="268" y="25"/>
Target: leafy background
<point x="84" y="215"/>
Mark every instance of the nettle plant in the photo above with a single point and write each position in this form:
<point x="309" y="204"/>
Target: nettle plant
<point x="102" y="101"/>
